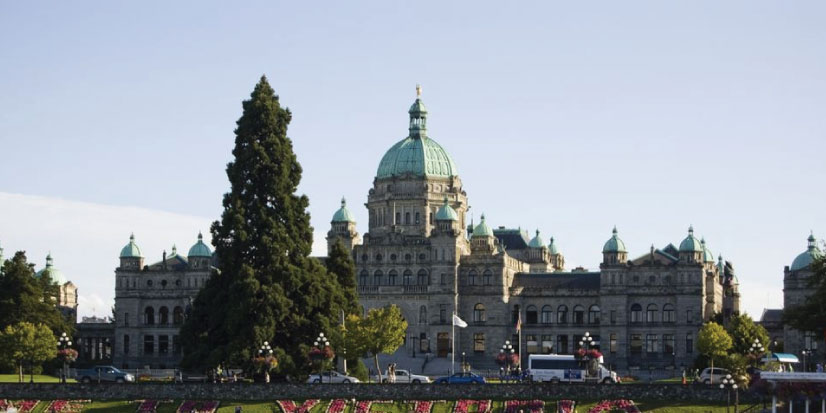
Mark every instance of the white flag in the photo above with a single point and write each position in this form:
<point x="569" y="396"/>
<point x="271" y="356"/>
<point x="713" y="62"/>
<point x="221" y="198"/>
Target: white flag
<point x="458" y="322"/>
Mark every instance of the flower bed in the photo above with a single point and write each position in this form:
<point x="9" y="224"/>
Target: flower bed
<point x="66" y="406"/>
<point x="289" y="406"/>
<point x="424" y="406"/>
<point x="614" y="405"/>
<point x="149" y="406"/>
<point x="198" y="406"/>
<point x="565" y="406"/>
<point x="463" y="406"/>
<point x="530" y="406"/>
<point x="337" y="406"/>
<point x="26" y="406"/>
<point x="363" y="406"/>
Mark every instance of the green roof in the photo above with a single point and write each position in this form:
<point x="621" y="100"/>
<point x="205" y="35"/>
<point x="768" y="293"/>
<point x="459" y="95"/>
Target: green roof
<point x="343" y="214"/>
<point x="200" y="249"/>
<point x="552" y="248"/>
<point x="131" y="249"/>
<point x="691" y="244"/>
<point x="807" y="257"/>
<point x="707" y="255"/>
<point x="446" y="213"/>
<point x="537" y="241"/>
<point x="614" y="244"/>
<point x="55" y="274"/>
<point x="482" y="230"/>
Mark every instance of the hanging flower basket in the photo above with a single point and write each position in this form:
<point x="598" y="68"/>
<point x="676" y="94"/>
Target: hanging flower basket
<point x="67" y="355"/>
<point x="263" y="364"/>
<point x="317" y="354"/>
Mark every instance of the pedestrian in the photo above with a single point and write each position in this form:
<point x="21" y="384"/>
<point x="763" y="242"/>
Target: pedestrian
<point x="819" y="368"/>
<point x="237" y="409"/>
<point x="392" y="373"/>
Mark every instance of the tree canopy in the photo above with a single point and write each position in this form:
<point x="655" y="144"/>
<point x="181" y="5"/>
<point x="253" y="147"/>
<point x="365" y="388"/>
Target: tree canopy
<point x="743" y="331"/>
<point x="713" y="341"/>
<point x="26" y="343"/>
<point x="382" y="331"/>
<point x="340" y="263"/>
<point x="26" y="298"/>
<point x="267" y="288"/>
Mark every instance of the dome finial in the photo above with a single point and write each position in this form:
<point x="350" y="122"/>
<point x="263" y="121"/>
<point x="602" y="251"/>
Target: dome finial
<point x="200" y="236"/>
<point x="418" y="90"/>
<point x="132" y="237"/>
<point x="343" y="202"/>
<point x="812" y="240"/>
<point x="49" y="259"/>
<point x="614" y="231"/>
<point x="691" y="230"/>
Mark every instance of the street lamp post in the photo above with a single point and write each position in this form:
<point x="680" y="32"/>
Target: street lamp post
<point x="585" y="343"/>
<point x="805" y="353"/>
<point x="728" y="384"/>
<point x="266" y="351"/>
<point x="64" y="342"/>
<point x="321" y="343"/>
<point x="507" y="351"/>
<point x="756" y="349"/>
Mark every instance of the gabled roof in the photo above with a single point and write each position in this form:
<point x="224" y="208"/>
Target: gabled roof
<point x="558" y="280"/>
<point x="173" y="262"/>
<point x="671" y="250"/>
<point x="660" y="257"/>
<point x="772" y="315"/>
<point x="512" y="238"/>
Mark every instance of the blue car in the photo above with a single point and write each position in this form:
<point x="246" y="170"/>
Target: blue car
<point x="461" y="378"/>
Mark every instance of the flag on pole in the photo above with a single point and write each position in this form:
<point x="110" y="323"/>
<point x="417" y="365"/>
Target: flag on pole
<point x="458" y="322"/>
<point x="519" y="322"/>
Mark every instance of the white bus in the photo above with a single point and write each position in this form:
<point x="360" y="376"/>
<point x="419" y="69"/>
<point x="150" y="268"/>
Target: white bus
<point x="557" y="368"/>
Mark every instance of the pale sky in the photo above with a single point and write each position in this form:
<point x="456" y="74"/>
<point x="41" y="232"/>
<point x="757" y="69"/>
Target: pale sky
<point x="568" y="117"/>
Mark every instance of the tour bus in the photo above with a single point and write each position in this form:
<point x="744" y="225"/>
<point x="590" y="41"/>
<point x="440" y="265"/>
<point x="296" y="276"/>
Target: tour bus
<point x="557" y="368"/>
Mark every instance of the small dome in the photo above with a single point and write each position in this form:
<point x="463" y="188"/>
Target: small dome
<point x="200" y="249"/>
<point x="446" y="213"/>
<point x="614" y="244"/>
<point x="707" y="255"/>
<point x="55" y="274"/>
<point x="691" y="244"/>
<point x="343" y="214"/>
<point x="807" y="257"/>
<point x="552" y="248"/>
<point x="482" y="230"/>
<point x="131" y="249"/>
<point x="537" y="241"/>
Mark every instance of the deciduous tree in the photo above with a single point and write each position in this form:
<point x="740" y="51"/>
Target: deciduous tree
<point x="743" y="331"/>
<point x="26" y="343"/>
<point x="380" y="332"/>
<point x="713" y="341"/>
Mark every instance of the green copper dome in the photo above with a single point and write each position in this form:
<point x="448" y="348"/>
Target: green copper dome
<point x="537" y="241"/>
<point x="55" y="274"/>
<point x="200" y="249"/>
<point x="552" y="248"/>
<point x="417" y="154"/>
<point x="614" y="244"/>
<point x="482" y="230"/>
<point x="446" y="213"/>
<point x="707" y="255"/>
<point x="807" y="257"/>
<point x="131" y="249"/>
<point x="343" y="214"/>
<point x="691" y="244"/>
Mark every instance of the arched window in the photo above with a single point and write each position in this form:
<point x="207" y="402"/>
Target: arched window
<point x="421" y="277"/>
<point x="408" y="277"/>
<point x="479" y="313"/>
<point x="377" y="277"/>
<point x="547" y="315"/>
<point x="651" y="313"/>
<point x="423" y="315"/>
<point x="562" y="314"/>
<point x="669" y="316"/>
<point x="149" y="316"/>
<point x="531" y="316"/>
<point x="178" y="315"/>
<point x="391" y="277"/>
<point x="163" y="316"/>
<point x="471" y="277"/>
<point x="593" y="314"/>
<point x="636" y="313"/>
<point x="363" y="277"/>
<point x="579" y="314"/>
<point x="487" y="277"/>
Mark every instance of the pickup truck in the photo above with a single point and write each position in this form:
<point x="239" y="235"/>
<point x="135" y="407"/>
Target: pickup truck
<point x="404" y="376"/>
<point x="100" y="374"/>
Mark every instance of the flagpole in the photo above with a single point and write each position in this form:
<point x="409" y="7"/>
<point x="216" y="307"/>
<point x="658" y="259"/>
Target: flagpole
<point x="453" y="344"/>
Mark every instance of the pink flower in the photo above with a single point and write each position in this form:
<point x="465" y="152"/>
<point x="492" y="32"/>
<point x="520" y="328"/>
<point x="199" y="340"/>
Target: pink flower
<point x="337" y="406"/>
<point x="533" y="406"/>
<point x="565" y="406"/>
<point x="288" y="406"/>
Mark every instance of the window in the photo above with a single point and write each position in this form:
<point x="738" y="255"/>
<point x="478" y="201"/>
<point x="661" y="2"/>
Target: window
<point x="562" y="344"/>
<point x="479" y="342"/>
<point x="398" y="218"/>
<point x="593" y="314"/>
<point x="636" y="313"/>
<point x="377" y="276"/>
<point x="515" y="314"/>
<point x="421" y="277"/>
<point x="668" y="343"/>
<point x="126" y="319"/>
<point x="479" y="313"/>
<point x="688" y="316"/>
<point x="391" y="277"/>
<point x="176" y="344"/>
<point x="810" y="340"/>
<point x="149" y="316"/>
<point x="487" y="277"/>
<point x="651" y="343"/>
<point x="379" y="257"/>
<point x="612" y="343"/>
<point x="636" y="344"/>
<point x="579" y="314"/>
<point x="471" y="277"/>
<point x="651" y="313"/>
<point x="417" y="218"/>
<point x="407" y="277"/>
<point x="443" y="279"/>
<point x="148" y="344"/>
<point x="577" y="338"/>
<point x="689" y="343"/>
<point x="163" y="316"/>
<point x="562" y="314"/>
<point x="532" y="344"/>
<point x="163" y="344"/>
<point x="613" y="317"/>
<point x="423" y="315"/>
<point x="547" y="344"/>
<point x="406" y="218"/>
<point x="126" y="344"/>
<point x="424" y="344"/>
<point x="443" y="313"/>
<point x="148" y="283"/>
<point x="669" y="315"/>
<point x="547" y="315"/>
<point x="393" y="257"/>
<point x="363" y="277"/>
<point x="531" y="315"/>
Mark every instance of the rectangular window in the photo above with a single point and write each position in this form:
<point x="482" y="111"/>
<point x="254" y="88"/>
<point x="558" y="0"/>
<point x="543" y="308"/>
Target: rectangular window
<point x="810" y="340"/>
<point x="443" y="279"/>
<point x="125" y="344"/>
<point x="126" y="319"/>
<point x="532" y="344"/>
<point x="148" y="344"/>
<point x="612" y="343"/>
<point x="443" y="313"/>
<point x="613" y="317"/>
<point x="576" y="339"/>
<point x="163" y="344"/>
<point x="636" y="343"/>
<point x="479" y="342"/>
<point x="688" y="319"/>
<point x="398" y="218"/>
<point x="689" y="344"/>
<point x="176" y="344"/>
<point x="668" y="343"/>
<point x="562" y="344"/>
<point x="547" y="344"/>
<point x="417" y="218"/>
<point x="651" y="343"/>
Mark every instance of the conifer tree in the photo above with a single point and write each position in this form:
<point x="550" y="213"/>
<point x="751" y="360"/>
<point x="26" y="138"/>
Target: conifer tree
<point x="340" y="263"/>
<point x="26" y="298"/>
<point x="267" y="287"/>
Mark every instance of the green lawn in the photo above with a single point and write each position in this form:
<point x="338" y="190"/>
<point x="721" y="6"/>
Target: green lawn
<point x="38" y="378"/>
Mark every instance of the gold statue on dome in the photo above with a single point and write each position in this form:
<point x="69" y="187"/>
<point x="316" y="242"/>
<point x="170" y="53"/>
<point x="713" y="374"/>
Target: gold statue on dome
<point x="418" y="90"/>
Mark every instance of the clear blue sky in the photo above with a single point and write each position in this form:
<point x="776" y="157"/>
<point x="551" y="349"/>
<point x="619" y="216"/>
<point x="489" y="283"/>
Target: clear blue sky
<point x="567" y="117"/>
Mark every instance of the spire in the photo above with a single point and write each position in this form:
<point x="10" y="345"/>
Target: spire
<point x="174" y="250"/>
<point x="614" y="231"/>
<point x="691" y="230"/>
<point x="812" y="241"/>
<point x="49" y="262"/>
<point x="200" y="237"/>
<point x="418" y="117"/>
<point x="343" y="202"/>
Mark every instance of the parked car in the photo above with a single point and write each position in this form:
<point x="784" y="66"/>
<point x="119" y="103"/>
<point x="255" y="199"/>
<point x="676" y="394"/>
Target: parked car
<point x="461" y="378"/>
<point x="101" y="374"/>
<point x="331" y="377"/>
<point x="716" y="375"/>
<point x="404" y="376"/>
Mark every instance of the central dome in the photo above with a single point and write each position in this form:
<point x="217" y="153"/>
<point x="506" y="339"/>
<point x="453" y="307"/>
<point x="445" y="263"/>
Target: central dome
<point x="417" y="154"/>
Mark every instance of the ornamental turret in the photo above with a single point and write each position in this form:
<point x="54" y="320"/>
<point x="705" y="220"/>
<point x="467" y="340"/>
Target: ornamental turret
<point x="691" y="250"/>
<point x="482" y="239"/>
<point x="343" y="228"/>
<point x="557" y="259"/>
<point x="130" y="256"/>
<point x="199" y="255"/>
<point x="614" y="252"/>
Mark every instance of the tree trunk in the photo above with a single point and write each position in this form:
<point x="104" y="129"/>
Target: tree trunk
<point x="711" y="376"/>
<point x="378" y="369"/>
<point x="20" y="373"/>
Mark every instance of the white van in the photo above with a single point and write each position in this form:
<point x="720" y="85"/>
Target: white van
<point x="565" y="368"/>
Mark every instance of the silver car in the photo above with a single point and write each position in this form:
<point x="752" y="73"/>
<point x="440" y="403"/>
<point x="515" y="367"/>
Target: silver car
<point x="331" y="377"/>
<point x="715" y="376"/>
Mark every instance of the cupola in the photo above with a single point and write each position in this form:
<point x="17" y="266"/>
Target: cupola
<point x="805" y="258"/>
<point x="343" y="214"/>
<point x="537" y="241"/>
<point x="614" y="252"/>
<point x="55" y="274"/>
<point x="130" y="255"/>
<point x="200" y="249"/>
<point x="552" y="247"/>
<point x="707" y="255"/>
<point x="482" y="239"/>
<point x="482" y="230"/>
<point x="691" y="249"/>
<point x="446" y="213"/>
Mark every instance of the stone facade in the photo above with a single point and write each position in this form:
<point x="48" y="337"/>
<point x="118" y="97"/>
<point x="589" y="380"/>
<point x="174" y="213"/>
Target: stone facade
<point x="420" y="254"/>
<point x="795" y="291"/>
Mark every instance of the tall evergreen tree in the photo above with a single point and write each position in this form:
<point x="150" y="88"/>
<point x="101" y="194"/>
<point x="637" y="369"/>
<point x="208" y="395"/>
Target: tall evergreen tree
<point x="340" y="263"/>
<point x="267" y="287"/>
<point x="26" y="298"/>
